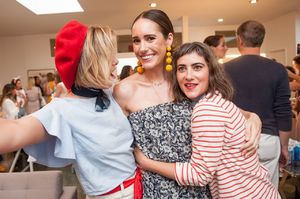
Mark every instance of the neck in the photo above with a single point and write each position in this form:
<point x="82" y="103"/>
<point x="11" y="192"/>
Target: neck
<point x="155" y="76"/>
<point x="250" y="51"/>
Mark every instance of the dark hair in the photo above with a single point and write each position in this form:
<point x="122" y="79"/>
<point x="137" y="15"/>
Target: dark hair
<point x="297" y="59"/>
<point x="252" y="33"/>
<point x="15" y="80"/>
<point x="125" y="71"/>
<point x="7" y="93"/>
<point x="217" y="78"/>
<point x="160" y="18"/>
<point x="213" y="40"/>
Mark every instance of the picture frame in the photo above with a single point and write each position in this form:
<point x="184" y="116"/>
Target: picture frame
<point x="230" y="37"/>
<point x="39" y="72"/>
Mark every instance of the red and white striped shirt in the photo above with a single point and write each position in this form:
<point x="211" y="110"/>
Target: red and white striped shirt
<point x="218" y="132"/>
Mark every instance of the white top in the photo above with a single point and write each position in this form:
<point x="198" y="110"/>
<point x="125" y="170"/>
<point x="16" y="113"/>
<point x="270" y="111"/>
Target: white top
<point x="99" y="144"/>
<point x="9" y="109"/>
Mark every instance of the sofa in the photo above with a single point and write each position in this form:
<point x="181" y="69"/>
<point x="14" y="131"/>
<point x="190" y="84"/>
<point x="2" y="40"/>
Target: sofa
<point x="35" y="185"/>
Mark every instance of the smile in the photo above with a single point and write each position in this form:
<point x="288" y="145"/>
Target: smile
<point x="190" y="86"/>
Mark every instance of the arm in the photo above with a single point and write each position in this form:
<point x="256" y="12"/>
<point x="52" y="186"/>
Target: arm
<point x="284" y="143"/>
<point x="161" y="168"/>
<point x="283" y="114"/>
<point x="253" y="130"/>
<point x="58" y="90"/>
<point x="293" y="76"/>
<point x="207" y="149"/>
<point x="15" y="134"/>
<point x="122" y="94"/>
<point x="294" y="86"/>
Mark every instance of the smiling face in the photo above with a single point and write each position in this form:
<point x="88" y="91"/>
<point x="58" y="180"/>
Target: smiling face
<point x="192" y="75"/>
<point x="149" y="44"/>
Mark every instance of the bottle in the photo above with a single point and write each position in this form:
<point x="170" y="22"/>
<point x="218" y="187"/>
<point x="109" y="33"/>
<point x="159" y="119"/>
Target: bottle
<point x="291" y="155"/>
<point x="296" y="159"/>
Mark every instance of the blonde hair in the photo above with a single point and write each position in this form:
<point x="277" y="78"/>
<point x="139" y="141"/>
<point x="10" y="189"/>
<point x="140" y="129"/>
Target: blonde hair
<point x="31" y="83"/>
<point x="98" y="53"/>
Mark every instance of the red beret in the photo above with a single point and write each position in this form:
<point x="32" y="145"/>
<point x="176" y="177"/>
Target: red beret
<point x="68" y="46"/>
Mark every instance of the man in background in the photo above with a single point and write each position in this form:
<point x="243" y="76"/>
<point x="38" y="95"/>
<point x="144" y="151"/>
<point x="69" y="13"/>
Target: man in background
<point x="262" y="86"/>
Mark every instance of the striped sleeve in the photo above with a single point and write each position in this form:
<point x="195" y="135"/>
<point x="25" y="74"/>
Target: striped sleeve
<point x="208" y="130"/>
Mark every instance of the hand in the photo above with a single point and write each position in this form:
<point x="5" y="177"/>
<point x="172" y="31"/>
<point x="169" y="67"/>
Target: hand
<point x="284" y="157"/>
<point x="140" y="158"/>
<point x="253" y="130"/>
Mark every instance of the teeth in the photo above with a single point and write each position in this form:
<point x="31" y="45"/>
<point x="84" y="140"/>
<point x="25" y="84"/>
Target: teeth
<point x="147" y="57"/>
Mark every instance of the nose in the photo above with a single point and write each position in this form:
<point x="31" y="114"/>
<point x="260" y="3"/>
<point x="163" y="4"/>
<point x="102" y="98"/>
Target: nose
<point x="189" y="74"/>
<point x="143" y="46"/>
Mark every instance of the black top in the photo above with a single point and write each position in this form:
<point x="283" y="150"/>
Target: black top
<point x="262" y="86"/>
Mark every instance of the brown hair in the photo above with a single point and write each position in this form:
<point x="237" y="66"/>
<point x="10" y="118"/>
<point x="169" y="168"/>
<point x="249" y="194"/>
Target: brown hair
<point x="213" y="40"/>
<point x="217" y="80"/>
<point x="252" y="33"/>
<point x="7" y="92"/>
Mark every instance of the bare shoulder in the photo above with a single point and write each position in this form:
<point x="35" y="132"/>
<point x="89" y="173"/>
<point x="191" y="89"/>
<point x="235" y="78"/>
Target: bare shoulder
<point x="124" y="91"/>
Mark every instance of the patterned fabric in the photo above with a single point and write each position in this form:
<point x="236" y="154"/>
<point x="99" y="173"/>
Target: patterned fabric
<point x="163" y="133"/>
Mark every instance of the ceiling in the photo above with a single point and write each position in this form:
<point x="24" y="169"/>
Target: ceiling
<point x="119" y="14"/>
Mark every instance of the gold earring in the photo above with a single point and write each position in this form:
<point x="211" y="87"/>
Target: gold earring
<point x="169" y="59"/>
<point x="139" y="68"/>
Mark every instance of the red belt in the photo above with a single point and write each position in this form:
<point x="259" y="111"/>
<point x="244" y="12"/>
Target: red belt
<point x="138" y="187"/>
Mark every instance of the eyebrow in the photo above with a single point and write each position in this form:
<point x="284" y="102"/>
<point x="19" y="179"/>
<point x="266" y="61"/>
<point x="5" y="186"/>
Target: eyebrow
<point x="148" y="35"/>
<point x="197" y="63"/>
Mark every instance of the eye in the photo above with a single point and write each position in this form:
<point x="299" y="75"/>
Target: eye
<point x="135" y="40"/>
<point x="181" y="69"/>
<point x="197" y="67"/>
<point x="150" y="38"/>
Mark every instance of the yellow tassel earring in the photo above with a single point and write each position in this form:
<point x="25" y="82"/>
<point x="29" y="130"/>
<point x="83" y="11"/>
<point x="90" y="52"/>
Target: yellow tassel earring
<point x="169" y="59"/>
<point x="139" y="68"/>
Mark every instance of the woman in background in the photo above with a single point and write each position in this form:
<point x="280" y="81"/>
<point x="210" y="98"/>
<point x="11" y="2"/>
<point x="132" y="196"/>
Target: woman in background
<point x="218" y="45"/>
<point x="8" y="102"/>
<point x="126" y="71"/>
<point x="21" y="96"/>
<point x="34" y="96"/>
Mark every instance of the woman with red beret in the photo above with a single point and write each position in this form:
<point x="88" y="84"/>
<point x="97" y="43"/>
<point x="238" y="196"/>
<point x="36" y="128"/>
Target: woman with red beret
<point x="87" y="128"/>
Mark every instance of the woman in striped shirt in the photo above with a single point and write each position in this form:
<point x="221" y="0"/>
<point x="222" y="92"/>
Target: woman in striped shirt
<point x="218" y="132"/>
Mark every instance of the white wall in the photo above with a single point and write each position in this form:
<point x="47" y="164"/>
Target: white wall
<point x="19" y="54"/>
<point x="281" y="37"/>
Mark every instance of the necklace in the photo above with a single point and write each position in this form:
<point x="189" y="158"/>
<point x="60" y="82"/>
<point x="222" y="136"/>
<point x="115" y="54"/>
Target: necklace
<point x="155" y="86"/>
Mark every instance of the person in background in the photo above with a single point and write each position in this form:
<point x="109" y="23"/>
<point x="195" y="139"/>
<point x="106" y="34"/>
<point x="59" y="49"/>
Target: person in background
<point x="87" y="128"/>
<point x="218" y="132"/>
<point x="161" y="127"/>
<point x="60" y="88"/>
<point x="218" y="45"/>
<point x="21" y="96"/>
<point x="10" y="110"/>
<point x="262" y="86"/>
<point x="33" y="94"/>
<point x="126" y="71"/>
<point x="49" y="87"/>
<point x="8" y="102"/>
<point x="38" y="82"/>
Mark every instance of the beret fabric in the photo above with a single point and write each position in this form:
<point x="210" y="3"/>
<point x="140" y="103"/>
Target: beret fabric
<point x="68" y="46"/>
